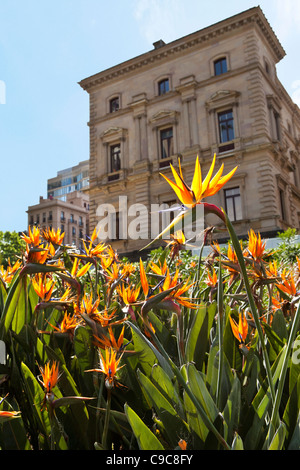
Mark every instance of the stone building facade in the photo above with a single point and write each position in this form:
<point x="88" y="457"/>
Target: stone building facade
<point x="71" y="216"/>
<point x="213" y="91"/>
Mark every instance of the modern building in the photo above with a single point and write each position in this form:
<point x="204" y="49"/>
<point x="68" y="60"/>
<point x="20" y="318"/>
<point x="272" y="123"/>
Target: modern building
<point x="66" y="181"/>
<point x="71" y="216"/>
<point x="213" y="91"/>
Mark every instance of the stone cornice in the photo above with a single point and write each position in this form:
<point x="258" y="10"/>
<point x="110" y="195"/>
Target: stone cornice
<point x="194" y="40"/>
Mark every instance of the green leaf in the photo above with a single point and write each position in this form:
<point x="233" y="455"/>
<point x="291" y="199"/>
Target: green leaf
<point x="83" y="348"/>
<point x="232" y="410"/>
<point x="198" y="335"/>
<point x="198" y="387"/>
<point x="174" y="426"/>
<point x="295" y="440"/>
<point x="198" y="429"/>
<point x="237" y="443"/>
<point x="145" y="438"/>
<point x="168" y="389"/>
<point x="148" y="355"/>
<point x="35" y="396"/>
<point x="279" y="325"/>
<point x="294" y="365"/>
<point x="279" y="437"/>
<point x="10" y="305"/>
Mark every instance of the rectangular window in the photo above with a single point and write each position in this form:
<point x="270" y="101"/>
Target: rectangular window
<point x="277" y="126"/>
<point x="226" y="130"/>
<point x="114" y="105"/>
<point x="220" y="66"/>
<point x="166" y="143"/>
<point x="115" y="158"/>
<point x="233" y="204"/>
<point x="282" y="204"/>
<point x="163" y="86"/>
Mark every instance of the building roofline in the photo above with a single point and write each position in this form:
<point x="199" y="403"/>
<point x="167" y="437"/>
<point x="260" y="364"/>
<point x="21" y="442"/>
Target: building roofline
<point x="252" y="15"/>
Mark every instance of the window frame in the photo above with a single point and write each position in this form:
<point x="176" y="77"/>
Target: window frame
<point x="227" y="144"/>
<point x="170" y="143"/>
<point x="282" y="202"/>
<point x="220" y="61"/>
<point x="115" y="169"/>
<point x="233" y="198"/>
<point x="161" y="84"/>
<point x="112" y="101"/>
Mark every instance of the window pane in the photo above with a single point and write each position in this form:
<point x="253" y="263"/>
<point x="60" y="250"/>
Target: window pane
<point x="230" y="209"/>
<point x="114" y="105"/>
<point x="220" y="66"/>
<point x="226" y="126"/>
<point x="233" y="203"/>
<point x="115" y="158"/>
<point x="166" y="137"/>
<point x="163" y="86"/>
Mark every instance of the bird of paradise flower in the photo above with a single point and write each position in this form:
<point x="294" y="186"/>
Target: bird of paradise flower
<point x="189" y="197"/>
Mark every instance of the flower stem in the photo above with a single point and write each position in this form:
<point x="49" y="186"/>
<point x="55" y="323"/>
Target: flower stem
<point x="253" y="308"/>
<point x="106" y="422"/>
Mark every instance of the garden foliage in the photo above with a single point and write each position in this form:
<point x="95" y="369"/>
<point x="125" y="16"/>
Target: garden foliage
<point x="176" y="352"/>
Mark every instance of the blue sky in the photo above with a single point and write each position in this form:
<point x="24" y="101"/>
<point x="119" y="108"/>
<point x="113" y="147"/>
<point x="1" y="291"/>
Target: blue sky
<point x="47" y="47"/>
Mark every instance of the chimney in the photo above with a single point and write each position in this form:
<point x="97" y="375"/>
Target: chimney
<point x="159" y="44"/>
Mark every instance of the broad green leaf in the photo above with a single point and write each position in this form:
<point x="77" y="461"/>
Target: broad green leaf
<point x="231" y="346"/>
<point x="237" y="443"/>
<point x="10" y="305"/>
<point x="13" y="435"/>
<point x="174" y="426"/>
<point x="212" y="370"/>
<point x="261" y="406"/>
<point x="21" y="313"/>
<point x="294" y="443"/>
<point x="232" y="410"/>
<point x="279" y="325"/>
<point x="198" y="429"/>
<point x="294" y="365"/>
<point x="83" y="347"/>
<point x="163" y="333"/>
<point x="279" y="437"/>
<point x="197" y="340"/>
<point x="145" y="438"/>
<point x="198" y="387"/>
<point x="147" y="353"/>
<point x="35" y="396"/>
<point x="170" y="391"/>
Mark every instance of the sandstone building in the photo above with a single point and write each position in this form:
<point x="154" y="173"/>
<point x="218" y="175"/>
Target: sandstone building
<point x="66" y="206"/>
<point x="71" y="216"/>
<point x="213" y="91"/>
